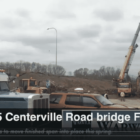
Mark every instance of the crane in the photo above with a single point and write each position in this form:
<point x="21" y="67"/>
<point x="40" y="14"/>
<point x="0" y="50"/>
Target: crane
<point x="121" y="82"/>
<point x="138" y="84"/>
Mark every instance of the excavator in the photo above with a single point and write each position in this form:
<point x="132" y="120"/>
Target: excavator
<point x="122" y="83"/>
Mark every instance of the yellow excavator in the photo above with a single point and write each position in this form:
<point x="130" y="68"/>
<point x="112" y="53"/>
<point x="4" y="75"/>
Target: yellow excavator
<point x="122" y="83"/>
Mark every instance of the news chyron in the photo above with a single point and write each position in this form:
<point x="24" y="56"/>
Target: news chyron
<point x="110" y="122"/>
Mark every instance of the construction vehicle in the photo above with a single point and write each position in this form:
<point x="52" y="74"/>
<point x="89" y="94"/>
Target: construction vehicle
<point x="138" y="84"/>
<point x="27" y="85"/>
<point x="14" y="100"/>
<point x="30" y="86"/>
<point x="20" y="104"/>
<point x="122" y="83"/>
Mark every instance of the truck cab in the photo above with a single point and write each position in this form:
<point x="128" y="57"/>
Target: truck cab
<point x="3" y="82"/>
<point x="14" y="100"/>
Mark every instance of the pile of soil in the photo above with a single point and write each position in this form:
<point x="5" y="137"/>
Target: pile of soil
<point x="69" y="83"/>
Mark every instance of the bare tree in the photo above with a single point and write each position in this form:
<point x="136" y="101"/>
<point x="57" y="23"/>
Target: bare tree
<point x="102" y="73"/>
<point x="44" y="69"/>
<point x="22" y="66"/>
<point x="38" y="67"/>
<point x="85" y="72"/>
<point x="60" y="71"/>
<point x="27" y="66"/>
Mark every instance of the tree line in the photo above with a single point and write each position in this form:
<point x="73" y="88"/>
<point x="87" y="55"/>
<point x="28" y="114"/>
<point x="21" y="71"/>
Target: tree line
<point x="102" y="73"/>
<point x="22" y="66"/>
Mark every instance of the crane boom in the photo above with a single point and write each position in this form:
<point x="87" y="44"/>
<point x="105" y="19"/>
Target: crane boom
<point x="129" y="56"/>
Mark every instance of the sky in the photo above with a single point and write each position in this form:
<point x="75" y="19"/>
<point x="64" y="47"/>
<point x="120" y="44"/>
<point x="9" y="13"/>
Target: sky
<point x="90" y="33"/>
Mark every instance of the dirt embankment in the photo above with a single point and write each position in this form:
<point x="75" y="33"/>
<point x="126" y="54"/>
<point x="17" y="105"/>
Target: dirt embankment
<point x="68" y="82"/>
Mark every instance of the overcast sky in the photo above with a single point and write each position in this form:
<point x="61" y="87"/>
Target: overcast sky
<point x="91" y="33"/>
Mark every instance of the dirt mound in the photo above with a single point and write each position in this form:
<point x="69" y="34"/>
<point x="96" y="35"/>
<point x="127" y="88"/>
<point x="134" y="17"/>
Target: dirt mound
<point x="67" y="82"/>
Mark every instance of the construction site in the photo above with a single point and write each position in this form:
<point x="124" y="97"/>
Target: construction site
<point x="69" y="69"/>
<point x="68" y="84"/>
<point x="26" y="95"/>
<point x="43" y="83"/>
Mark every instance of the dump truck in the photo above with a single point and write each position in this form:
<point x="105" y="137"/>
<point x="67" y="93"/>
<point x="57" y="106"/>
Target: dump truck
<point x="122" y="83"/>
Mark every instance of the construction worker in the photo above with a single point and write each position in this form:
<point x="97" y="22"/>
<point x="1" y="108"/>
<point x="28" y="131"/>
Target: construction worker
<point x="106" y="96"/>
<point x="122" y="96"/>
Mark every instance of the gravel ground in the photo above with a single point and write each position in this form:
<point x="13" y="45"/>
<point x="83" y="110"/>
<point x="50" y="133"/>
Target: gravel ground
<point x="129" y="101"/>
<point x="134" y="102"/>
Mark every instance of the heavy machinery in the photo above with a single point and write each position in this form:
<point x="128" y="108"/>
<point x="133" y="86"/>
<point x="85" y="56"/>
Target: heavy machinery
<point x="25" y="104"/>
<point x="138" y="84"/>
<point x="30" y="86"/>
<point x="122" y="83"/>
<point x="17" y="100"/>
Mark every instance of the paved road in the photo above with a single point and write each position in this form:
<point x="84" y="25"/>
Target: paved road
<point x="130" y="102"/>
